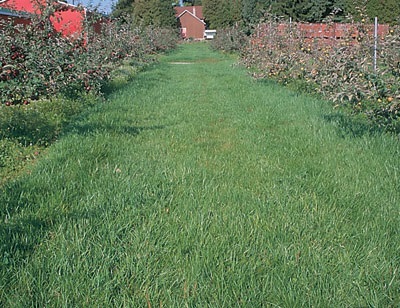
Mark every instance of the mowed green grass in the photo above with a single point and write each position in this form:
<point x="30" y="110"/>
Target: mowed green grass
<point x="196" y="186"/>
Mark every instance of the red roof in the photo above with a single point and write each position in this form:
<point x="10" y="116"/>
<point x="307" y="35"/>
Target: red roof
<point x="195" y="10"/>
<point x="21" y="6"/>
<point x="68" y="20"/>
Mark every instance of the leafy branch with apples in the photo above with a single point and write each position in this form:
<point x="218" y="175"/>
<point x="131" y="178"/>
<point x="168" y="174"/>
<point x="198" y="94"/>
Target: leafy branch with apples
<point x="341" y="70"/>
<point x="46" y="78"/>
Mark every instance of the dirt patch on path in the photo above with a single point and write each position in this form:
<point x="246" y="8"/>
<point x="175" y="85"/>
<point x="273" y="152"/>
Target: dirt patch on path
<point x="181" y="63"/>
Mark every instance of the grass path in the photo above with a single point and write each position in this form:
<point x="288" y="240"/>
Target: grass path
<point x="197" y="186"/>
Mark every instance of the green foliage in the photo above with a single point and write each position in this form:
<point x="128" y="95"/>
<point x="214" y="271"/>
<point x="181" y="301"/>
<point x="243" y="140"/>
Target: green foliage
<point x="314" y="11"/>
<point x="158" y="13"/>
<point x="213" y="11"/>
<point x="13" y="157"/>
<point x="41" y="122"/>
<point x="221" y="14"/>
<point x="229" y="39"/>
<point x="123" y="8"/>
<point x="192" y="2"/>
<point x="249" y="11"/>
<point x="8" y="149"/>
<point x="305" y="10"/>
<point x="387" y="11"/>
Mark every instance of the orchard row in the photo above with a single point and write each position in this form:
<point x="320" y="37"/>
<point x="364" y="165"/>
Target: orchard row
<point x="362" y="72"/>
<point x="37" y="62"/>
<point x="343" y="70"/>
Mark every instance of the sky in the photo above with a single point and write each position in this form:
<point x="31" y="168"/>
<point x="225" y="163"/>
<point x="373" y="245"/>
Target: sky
<point x="104" y="6"/>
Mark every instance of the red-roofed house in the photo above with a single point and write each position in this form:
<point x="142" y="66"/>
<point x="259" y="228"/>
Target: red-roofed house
<point x="68" y="19"/>
<point x="191" y="21"/>
<point x="7" y="15"/>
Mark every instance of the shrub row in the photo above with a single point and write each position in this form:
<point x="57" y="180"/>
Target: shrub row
<point x="46" y="78"/>
<point x="229" y="39"/>
<point x="38" y="62"/>
<point x="341" y="70"/>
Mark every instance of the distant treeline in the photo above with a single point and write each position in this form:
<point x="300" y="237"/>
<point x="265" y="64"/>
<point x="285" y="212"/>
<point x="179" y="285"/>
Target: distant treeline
<point x="226" y="13"/>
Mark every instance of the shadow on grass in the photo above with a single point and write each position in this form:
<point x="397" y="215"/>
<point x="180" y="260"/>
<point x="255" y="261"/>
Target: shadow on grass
<point x="124" y="77"/>
<point x="90" y="129"/>
<point x="25" y="223"/>
<point x="21" y="228"/>
<point x="24" y="220"/>
<point x="19" y="239"/>
<point x="18" y="235"/>
<point x="352" y="125"/>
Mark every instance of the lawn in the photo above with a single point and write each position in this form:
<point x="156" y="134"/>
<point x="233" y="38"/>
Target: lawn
<point x="195" y="185"/>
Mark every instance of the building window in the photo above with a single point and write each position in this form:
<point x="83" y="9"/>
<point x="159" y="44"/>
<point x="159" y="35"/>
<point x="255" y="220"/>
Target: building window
<point x="183" y="32"/>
